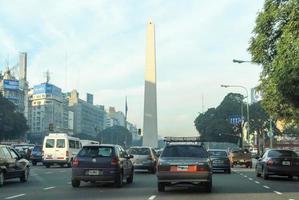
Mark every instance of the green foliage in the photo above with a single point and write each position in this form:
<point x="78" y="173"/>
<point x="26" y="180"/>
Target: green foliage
<point x="12" y="124"/>
<point x="214" y="125"/>
<point x="275" y="45"/>
<point x="115" y="135"/>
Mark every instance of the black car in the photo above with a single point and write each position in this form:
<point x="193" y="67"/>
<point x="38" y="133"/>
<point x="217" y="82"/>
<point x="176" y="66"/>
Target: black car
<point x="36" y="154"/>
<point x="102" y="163"/>
<point x="220" y="160"/>
<point x="278" y="162"/>
<point x="12" y="165"/>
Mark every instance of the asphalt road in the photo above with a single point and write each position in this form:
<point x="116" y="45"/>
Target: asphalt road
<point x="54" y="184"/>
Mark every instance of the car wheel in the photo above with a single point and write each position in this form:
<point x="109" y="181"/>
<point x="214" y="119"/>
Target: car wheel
<point x="47" y="165"/>
<point x="228" y="171"/>
<point x="290" y="177"/>
<point x="209" y="186"/>
<point x="161" y="187"/>
<point x="257" y="173"/>
<point x="130" y="178"/>
<point x="119" y="180"/>
<point x="24" y="177"/>
<point x="265" y="175"/>
<point x="34" y="163"/>
<point x="1" y="178"/>
<point x="76" y="183"/>
<point x="153" y="170"/>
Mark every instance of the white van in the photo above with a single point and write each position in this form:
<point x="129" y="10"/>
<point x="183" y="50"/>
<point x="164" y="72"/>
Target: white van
<point x="88" y="142"/>
<point x="60" y="148"/>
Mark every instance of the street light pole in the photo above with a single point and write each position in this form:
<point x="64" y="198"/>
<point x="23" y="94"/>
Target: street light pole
<point x="247" y="106"/>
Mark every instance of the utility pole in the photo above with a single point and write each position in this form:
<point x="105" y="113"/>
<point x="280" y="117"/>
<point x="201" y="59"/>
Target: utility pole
<point x="270" y="134"/>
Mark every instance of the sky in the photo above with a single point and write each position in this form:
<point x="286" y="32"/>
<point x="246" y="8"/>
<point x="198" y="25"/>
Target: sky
<point x="98" y="47"/>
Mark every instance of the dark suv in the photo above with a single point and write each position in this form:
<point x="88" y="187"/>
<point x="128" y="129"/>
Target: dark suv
<point x="36" y="154"/>
<point x="12" y="165"/>
<point x="102" y="163"/>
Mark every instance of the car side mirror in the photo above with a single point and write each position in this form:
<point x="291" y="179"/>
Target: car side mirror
<point x="129" y="156"/>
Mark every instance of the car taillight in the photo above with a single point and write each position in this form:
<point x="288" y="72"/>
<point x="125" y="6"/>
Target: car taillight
<point x="270" y="162"/>
<point x="200" y="168"/>
<point x="162" y="167"/>
<point x="75" y="162"/>
<point x="67" y="153"/>
<point x="114" y="161"/>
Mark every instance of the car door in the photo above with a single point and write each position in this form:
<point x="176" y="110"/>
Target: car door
<point x="10" y="163"/>
<point x="20" y="162"/>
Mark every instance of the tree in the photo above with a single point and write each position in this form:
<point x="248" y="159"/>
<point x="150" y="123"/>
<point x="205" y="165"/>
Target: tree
<point x="275" y="45"/>
<point x="12" y="124"/>
<point x="115" y="135"/>
<point x="214" y="125"/>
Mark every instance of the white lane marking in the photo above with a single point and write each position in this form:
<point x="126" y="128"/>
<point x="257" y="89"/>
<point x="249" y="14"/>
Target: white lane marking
<point x="241" y="174"/>
<point x="69" y="183"/>
<point x="279" y="193"/>
<point x="33" y="174"/>
<point x="152" y="197"/>
<point x="257" y="182"/>
<point x="250" y="179"/>
<point x="62" y="171"/>
<point x="49" y="188"/>
<point x="291" y="199"/>
<point x="267" y="187"/>
<point x="245" y="176"/>
<point x="49" y="173"/>
<point x="15" y="196"/>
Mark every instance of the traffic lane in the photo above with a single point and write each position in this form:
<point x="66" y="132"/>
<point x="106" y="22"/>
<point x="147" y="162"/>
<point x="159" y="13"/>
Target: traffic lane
<point x="142" y="188"/>
<point x="225" y="187"/>
<point x="281" y="185"/>
<point x="39" y="177"/>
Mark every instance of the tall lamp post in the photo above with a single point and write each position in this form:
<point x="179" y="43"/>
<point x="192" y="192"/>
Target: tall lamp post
<point x="247" y="106"/>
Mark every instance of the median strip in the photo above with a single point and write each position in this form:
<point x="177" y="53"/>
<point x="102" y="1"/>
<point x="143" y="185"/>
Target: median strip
<point x="15" y="196"/>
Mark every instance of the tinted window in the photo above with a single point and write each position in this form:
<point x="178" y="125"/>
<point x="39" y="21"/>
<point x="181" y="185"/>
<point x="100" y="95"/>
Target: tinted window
<point x="14" y="155"/>
<point x="72" y="144"/>
<point x="218" y="153"/>
<point x="281" y="153"/>
<point x="77" y="145"/>
<point x="139" y="151"/>
<point x="37" y="148"/>
<point x="89" y="151"/>
<point x="50" y="143"/>
<point x="60" y="143"/>
<point x="185" y="151"/>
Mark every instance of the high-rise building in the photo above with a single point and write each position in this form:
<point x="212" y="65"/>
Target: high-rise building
<point x="150" y="124"/>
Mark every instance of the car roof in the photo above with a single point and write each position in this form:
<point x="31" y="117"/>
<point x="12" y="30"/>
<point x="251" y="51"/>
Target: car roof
<point x="140" y="147"/>
<point x="100" y="145"/>
<point x="217" y="150"/>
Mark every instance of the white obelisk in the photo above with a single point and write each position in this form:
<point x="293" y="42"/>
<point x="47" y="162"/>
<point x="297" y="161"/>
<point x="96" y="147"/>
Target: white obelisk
<point x="150" y="126"/>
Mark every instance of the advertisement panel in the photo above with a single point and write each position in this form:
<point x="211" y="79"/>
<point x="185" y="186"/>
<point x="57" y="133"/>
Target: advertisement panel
<point x="11" y="84"/>
<point x="47" y="88"/>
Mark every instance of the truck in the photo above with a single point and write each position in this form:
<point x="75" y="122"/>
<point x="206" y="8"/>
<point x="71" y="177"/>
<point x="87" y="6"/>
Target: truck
<point x="240" y="157"/>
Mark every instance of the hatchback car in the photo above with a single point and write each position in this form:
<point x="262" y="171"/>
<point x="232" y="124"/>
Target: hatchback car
<point x="184" y="164"/>
<point x="220" y="160"/>
<point x="102" y="163"/>
<point x="12" y="165"/>
<point x="144" y="158"/>
<point x="278" y="162"/>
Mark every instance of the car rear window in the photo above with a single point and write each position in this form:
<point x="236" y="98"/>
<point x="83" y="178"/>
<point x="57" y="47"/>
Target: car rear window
<point x="185" y="151"/>
<point x="139" y="151"/>
<point x="60" y="143"/>
<point x="88" y="151"/>
<point x="50" y="143"/>
<point x="37" y="148"/>
<point x="282" y="154"/>
<point x="218" y="153"/>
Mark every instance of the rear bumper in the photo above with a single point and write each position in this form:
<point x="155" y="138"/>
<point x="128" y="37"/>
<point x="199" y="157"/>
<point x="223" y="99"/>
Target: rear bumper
<point x="285" y="171"/>
<point x="109" y="175"/>
<point x="221" y="167"/>
<point x="185" y="177"/>
<point x="241" y="162"/>
<point x="144" y="166"/>
<point x="45" y="162"/>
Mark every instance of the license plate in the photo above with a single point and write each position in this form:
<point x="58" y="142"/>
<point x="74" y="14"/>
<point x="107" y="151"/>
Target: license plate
<point x="94" y="172"/>
<point x="287" y="163"/>
<point x="182" y="168"/>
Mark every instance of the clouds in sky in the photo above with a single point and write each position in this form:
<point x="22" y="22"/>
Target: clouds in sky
<point x="99" y="47"/>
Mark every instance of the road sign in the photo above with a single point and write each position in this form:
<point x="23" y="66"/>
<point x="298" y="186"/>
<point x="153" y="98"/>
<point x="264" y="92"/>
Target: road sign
<point x="235" y="119"/>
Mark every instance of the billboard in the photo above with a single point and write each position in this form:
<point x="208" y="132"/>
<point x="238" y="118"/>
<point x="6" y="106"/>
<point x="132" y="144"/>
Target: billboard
<point x="11" y="84"/>
<point x="46" y="88"/>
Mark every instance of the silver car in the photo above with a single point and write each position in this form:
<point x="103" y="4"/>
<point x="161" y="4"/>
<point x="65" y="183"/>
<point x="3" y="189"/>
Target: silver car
<point x="184" y="164"/>
<point x="144" y="158"/>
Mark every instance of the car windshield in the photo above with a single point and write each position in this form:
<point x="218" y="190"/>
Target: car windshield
<point x="282" y="154"/>
<point x="218" y="153"/>
<point x="89" y="151"/>
<point x="185" y="151"/>
<point x="139" y="151"/>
